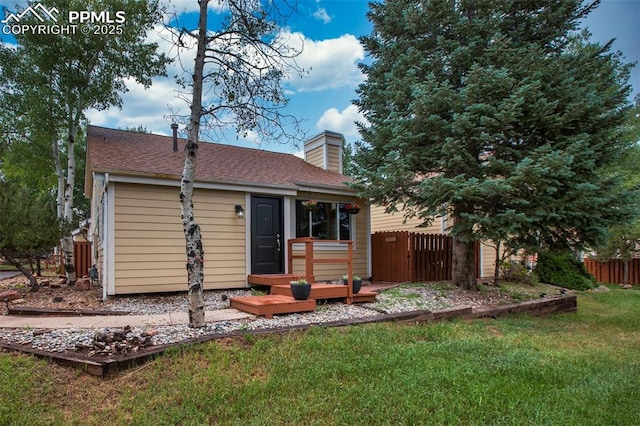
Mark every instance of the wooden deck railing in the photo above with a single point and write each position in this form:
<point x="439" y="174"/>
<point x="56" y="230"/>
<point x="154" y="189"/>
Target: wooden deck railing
<point x="310" y="260"/>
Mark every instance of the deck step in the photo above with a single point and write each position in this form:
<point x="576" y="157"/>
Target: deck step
<point x="272" y="304"/>
<point x="364" y="296"/>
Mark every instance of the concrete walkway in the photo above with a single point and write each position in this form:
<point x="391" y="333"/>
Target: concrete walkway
<point x="103" y="321"/>
<point x="175" y="318"/>
<point x="8" y="274"/>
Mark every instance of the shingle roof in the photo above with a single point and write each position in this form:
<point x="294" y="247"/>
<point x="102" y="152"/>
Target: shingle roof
<point x="144" y="154"/>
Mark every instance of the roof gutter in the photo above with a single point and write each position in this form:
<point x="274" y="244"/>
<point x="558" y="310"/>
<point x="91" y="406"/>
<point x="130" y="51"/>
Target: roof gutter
<point x="327" y="189"/>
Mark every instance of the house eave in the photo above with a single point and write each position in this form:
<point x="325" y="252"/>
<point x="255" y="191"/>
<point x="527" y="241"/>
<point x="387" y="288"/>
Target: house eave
<point x="173" y="180"/>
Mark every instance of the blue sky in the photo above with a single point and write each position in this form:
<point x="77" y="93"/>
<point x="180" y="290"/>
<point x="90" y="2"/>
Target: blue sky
<point x="330" y="30"/>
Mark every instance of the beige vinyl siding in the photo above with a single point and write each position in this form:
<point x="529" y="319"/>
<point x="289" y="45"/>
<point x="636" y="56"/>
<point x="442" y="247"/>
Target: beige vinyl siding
<point x="333" y="154"/>
<point x="149" y="241"/>
<point x="332" y="271"/>
<point x="488" y="260"/>
<point x="316" y="157"/>
<point x="381" y="221"/>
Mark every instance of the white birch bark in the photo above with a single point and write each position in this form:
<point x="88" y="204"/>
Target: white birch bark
<point x="67" y="240"/>
<point x="60" y="175"/>
<point x="195" y="253"/>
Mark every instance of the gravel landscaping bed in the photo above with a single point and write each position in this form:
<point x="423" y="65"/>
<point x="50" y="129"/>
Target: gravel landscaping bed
<point x="101" y="342"/>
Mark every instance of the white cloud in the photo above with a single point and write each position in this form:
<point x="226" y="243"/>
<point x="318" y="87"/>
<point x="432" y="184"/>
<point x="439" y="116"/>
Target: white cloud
<point x="321" y="15"/>
<point x="151" y="108"/>
<point x="341" y="121"/>
<point x="189" y="6"/>
<point x="332" y="63"/>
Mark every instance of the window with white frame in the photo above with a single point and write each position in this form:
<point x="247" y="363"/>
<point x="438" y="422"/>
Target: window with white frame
<point x="327" y="221"/>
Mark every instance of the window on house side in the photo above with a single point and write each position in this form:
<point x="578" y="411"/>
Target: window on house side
<point x="329" y="221"/>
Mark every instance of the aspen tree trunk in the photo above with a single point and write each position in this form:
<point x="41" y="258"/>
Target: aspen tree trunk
<point x="67" y="240"/>
<point x="195" y="253"/>
<point x="60" y="174"/>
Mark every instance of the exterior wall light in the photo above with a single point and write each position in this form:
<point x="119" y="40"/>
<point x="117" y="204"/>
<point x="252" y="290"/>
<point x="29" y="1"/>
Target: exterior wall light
<point x="239" y="211"/>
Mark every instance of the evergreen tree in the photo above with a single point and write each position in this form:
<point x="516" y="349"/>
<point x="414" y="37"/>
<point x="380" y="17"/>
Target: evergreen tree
<point x="29" y="227"/>
<point x="497" y="113"/>
<point x="347" y="158"/>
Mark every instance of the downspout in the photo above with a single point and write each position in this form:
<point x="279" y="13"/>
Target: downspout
<point x="105" y="230"/>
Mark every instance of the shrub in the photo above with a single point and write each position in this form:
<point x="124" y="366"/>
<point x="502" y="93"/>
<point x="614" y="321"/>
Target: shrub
<point x="564" y="270"/>
<point x="517" y="273"/>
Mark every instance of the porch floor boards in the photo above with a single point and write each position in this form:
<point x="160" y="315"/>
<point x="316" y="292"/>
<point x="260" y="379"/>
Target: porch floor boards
<point x="327" y="291"/>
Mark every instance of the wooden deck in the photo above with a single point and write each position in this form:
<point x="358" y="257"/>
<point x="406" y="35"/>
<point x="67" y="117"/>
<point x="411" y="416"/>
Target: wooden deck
<point x="329" y="291"/>
<point x="280" y="300"/>
<point x="272" y="304"/>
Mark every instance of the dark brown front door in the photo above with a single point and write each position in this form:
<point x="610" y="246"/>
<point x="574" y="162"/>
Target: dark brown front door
<point x="267" y="240"/>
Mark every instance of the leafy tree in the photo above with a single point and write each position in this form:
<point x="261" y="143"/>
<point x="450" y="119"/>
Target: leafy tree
<point x="29" y="226"/>
<point x="54" y="78"/>
<point x="623" y="241"/>
<point x="497" y="113"/>
<point x="241" y="65"/>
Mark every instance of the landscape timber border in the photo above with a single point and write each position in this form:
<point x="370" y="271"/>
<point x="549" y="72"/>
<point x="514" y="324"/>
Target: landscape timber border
<point x="110" y="366"/>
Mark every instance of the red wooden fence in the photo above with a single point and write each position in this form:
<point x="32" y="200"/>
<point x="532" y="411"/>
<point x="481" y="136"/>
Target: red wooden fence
<point x="82" y="256"/>
<point x="612" y="272"/>
<point x="432" y="256"/>
<point x="400" y="256"/>
<point x="390" y="257"/>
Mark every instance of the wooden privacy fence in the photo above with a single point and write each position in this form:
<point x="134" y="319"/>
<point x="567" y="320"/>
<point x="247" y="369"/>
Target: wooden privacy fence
<point x="612" y="271"/>
<point x="400" y="256"/>
<point x="82" y="256"/>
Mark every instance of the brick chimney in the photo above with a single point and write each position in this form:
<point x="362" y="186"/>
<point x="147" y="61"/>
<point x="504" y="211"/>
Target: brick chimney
<point x="174" y="127"/>
<point x="325" y="151"/>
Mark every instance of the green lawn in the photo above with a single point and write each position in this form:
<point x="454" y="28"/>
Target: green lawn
<point x="7" y="267"/>
<point x="572" y="369"/>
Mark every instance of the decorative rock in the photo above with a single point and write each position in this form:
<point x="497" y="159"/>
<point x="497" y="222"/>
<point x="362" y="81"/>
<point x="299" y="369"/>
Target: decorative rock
<point x="59" y="283"/>
<point x="627" y="286"/>
<point x="9" y="295"/>
<point x="93" y="342"/>
<point x="83" y="284"/>
<point x="45" y="283"/>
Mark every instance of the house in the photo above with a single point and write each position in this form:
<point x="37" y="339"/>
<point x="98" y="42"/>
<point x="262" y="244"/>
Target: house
<point x="382" y="221"/>
<point x="248" y="203"/>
